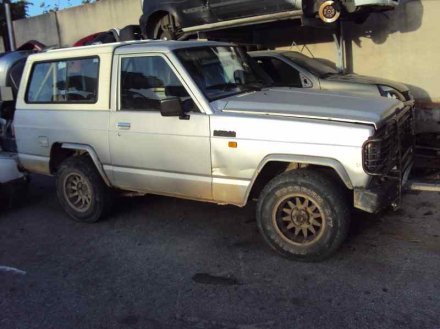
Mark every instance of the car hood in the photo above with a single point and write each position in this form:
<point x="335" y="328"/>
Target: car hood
<point x="363" y="79"/>
<point x="314" y="104"/>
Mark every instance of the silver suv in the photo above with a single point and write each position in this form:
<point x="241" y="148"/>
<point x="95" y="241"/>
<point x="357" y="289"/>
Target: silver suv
<point x="198" y="120"/>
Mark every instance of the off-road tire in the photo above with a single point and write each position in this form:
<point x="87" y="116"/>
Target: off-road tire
<point x="100" y="197"/>
<point x="324" y="194"/>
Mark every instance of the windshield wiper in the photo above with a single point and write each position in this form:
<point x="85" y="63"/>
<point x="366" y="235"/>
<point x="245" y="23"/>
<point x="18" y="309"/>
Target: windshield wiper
<point x="223" y="86"/>
<point x="254" y="86"/>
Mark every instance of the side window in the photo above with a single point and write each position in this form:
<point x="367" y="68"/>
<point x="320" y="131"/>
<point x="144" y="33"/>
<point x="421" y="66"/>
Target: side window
<point x="14" y="75"/>
<point x="281" y="73"/>
<point x="69" y="81"/>
<point x="145" y="81"/>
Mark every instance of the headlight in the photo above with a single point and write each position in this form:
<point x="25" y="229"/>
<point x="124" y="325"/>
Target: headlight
<point x="386" y="91"/>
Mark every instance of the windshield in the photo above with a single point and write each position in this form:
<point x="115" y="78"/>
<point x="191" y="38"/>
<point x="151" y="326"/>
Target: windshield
<point x="222" y="71"/>
<point x="313" y="65"/>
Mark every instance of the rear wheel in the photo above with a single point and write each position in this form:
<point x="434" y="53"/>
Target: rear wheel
<point x="303" y="215"/>
<point x="81" y="190"/>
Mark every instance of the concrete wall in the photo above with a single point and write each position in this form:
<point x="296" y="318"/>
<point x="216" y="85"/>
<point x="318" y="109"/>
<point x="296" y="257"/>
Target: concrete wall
<point x="42" y="28"/>
<point x="64" y="27"/>
<point x="400" y="45"/>
<point x="77" y="22"/>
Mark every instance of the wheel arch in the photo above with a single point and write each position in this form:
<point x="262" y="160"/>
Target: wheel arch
<point x="273" y="165"/>
<point x="61" y="151"/>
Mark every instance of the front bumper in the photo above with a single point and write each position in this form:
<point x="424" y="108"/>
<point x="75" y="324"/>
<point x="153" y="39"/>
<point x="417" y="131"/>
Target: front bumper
<point x="375" y="199"/>
<point x="388" y="156"/>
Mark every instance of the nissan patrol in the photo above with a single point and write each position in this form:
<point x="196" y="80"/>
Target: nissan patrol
<point x="198" y="120"/>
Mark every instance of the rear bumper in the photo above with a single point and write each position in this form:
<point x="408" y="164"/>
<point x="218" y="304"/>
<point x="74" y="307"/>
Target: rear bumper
<point x="9" y="168"/>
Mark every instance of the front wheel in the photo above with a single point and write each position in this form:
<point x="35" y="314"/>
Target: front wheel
<point x="81" y="190"/>
<point x="303" y="215"/>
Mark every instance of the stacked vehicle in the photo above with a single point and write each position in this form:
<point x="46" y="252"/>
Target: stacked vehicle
<point x="175" y="20"/>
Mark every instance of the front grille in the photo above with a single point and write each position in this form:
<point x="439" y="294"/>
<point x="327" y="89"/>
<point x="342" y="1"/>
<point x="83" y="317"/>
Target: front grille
<point x="389" y="152"/>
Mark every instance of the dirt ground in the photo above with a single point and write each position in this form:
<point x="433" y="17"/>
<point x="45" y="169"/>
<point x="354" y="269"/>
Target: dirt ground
<point x="160" y="262"/>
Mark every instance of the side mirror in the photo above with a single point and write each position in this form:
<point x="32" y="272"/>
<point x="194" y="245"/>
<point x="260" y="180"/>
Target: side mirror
<point x="305" y="81"/>
<point x="172" y="107"/>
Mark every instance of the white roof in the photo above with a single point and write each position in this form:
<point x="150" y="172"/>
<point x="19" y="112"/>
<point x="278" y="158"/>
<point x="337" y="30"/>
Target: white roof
<point x="121" y="47"/>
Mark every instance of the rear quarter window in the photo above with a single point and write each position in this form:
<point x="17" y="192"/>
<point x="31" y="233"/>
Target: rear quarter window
<point x="64" y="81"/>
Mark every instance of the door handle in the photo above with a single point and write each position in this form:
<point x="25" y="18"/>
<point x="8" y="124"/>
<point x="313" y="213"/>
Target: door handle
<point x="123" y="125"/>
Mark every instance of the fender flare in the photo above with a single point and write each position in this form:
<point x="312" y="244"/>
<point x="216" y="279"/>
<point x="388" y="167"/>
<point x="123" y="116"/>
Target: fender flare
<point x="93" y="156"/>
<point x="303" y="159"/>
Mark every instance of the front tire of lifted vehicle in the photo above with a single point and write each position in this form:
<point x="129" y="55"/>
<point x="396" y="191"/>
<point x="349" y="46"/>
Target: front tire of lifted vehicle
<point x="303" y="215"/>
<point x="165" y="29"/>
<point x="81" y="191"/>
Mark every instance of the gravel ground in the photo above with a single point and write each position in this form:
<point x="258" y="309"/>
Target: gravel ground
<point x="160" y="262"/>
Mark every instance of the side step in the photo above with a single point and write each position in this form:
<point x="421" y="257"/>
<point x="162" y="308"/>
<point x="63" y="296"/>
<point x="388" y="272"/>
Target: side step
<point x="423" y="185"/>
<point x="267" y="18"/>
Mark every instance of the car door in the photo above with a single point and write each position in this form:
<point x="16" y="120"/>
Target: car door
<point x="231" y="9"/>
<point x="152" y="153"/>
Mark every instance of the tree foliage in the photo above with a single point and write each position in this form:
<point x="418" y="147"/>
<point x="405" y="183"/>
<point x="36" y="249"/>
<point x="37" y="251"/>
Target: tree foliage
<point x="48" y="7"/>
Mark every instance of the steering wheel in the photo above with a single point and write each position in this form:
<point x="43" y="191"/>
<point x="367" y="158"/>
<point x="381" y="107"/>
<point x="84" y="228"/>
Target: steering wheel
<point x="76" y="97"/>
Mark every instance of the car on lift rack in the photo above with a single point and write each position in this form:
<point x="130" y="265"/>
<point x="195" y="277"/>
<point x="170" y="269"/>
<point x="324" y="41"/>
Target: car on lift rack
<point x="174" y="19"/>
<point x="294" y="69"/>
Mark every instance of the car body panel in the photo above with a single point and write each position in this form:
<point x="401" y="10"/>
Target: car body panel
<point x="274" y="139"/>
<point x="385" y="3"/>
<point x="7" y="60"/>
<point x="365" y="80"/>
<point x="295" y="102"/>
<point x="232" y="9"/>
<point x="9" y="168"/>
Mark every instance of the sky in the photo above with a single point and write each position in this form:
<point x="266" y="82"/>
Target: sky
<point x="35" y="9"/>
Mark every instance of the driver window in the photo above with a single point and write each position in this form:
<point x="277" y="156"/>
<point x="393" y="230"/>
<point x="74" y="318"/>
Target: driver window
<point x="145" y="81"/>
